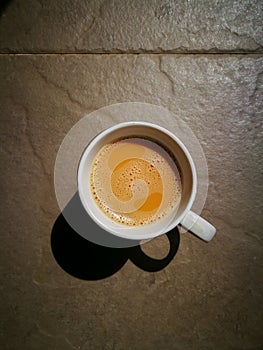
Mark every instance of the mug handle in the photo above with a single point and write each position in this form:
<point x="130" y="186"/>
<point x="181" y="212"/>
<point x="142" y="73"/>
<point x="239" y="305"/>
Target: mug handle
<point x="198" y="226"/>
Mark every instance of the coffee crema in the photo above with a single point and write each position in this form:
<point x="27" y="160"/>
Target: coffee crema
<point x="135" y="181"/>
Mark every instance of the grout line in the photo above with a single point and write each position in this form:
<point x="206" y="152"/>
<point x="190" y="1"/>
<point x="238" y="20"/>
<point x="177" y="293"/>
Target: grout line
<point x="133" y="53"/>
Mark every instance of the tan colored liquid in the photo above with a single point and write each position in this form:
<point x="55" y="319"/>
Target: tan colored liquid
<point x="135" y="181"/>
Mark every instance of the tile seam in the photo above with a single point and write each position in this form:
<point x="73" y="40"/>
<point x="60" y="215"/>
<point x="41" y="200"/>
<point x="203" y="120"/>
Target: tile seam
<point x="135" y="54"/>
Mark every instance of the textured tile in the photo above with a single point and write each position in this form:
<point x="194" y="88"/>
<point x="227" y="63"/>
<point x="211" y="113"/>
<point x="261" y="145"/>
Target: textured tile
<point x="132" y="26"/>
<point x="210" y="295"/>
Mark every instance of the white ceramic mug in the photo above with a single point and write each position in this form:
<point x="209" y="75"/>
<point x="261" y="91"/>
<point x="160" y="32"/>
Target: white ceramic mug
<point x="182" y="215"/>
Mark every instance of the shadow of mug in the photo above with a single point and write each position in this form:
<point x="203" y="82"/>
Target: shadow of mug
<point x="83" y="258"/>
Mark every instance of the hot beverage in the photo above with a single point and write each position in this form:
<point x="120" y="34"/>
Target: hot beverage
<point x="135" y="181"/>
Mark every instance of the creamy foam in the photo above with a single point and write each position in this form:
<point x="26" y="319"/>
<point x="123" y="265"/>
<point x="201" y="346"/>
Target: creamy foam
<point x="135" y="181"/>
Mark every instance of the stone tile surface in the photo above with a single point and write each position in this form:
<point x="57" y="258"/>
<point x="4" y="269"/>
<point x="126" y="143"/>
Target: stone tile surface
<point x="132" y="26"/>
<point x="210" y="295"/>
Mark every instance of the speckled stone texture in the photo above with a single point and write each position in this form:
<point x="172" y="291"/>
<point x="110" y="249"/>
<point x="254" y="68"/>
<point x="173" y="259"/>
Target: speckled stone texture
<point x="61" y="292"/>
<point x="210" y="295"/>
<point x="132" y="26"/>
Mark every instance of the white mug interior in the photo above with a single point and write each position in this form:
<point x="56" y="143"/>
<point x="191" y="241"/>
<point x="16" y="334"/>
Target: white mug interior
<point x="184" y="163"/>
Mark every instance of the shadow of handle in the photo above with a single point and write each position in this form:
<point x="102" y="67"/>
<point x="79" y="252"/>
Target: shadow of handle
<point x="87" y="260"/>
<point x="146" y="263"/>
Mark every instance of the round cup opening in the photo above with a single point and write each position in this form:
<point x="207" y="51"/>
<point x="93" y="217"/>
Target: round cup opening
<point x="169" y="142"/>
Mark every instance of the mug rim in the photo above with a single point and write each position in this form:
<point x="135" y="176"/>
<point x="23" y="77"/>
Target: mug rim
<point x="101" y="135"/>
